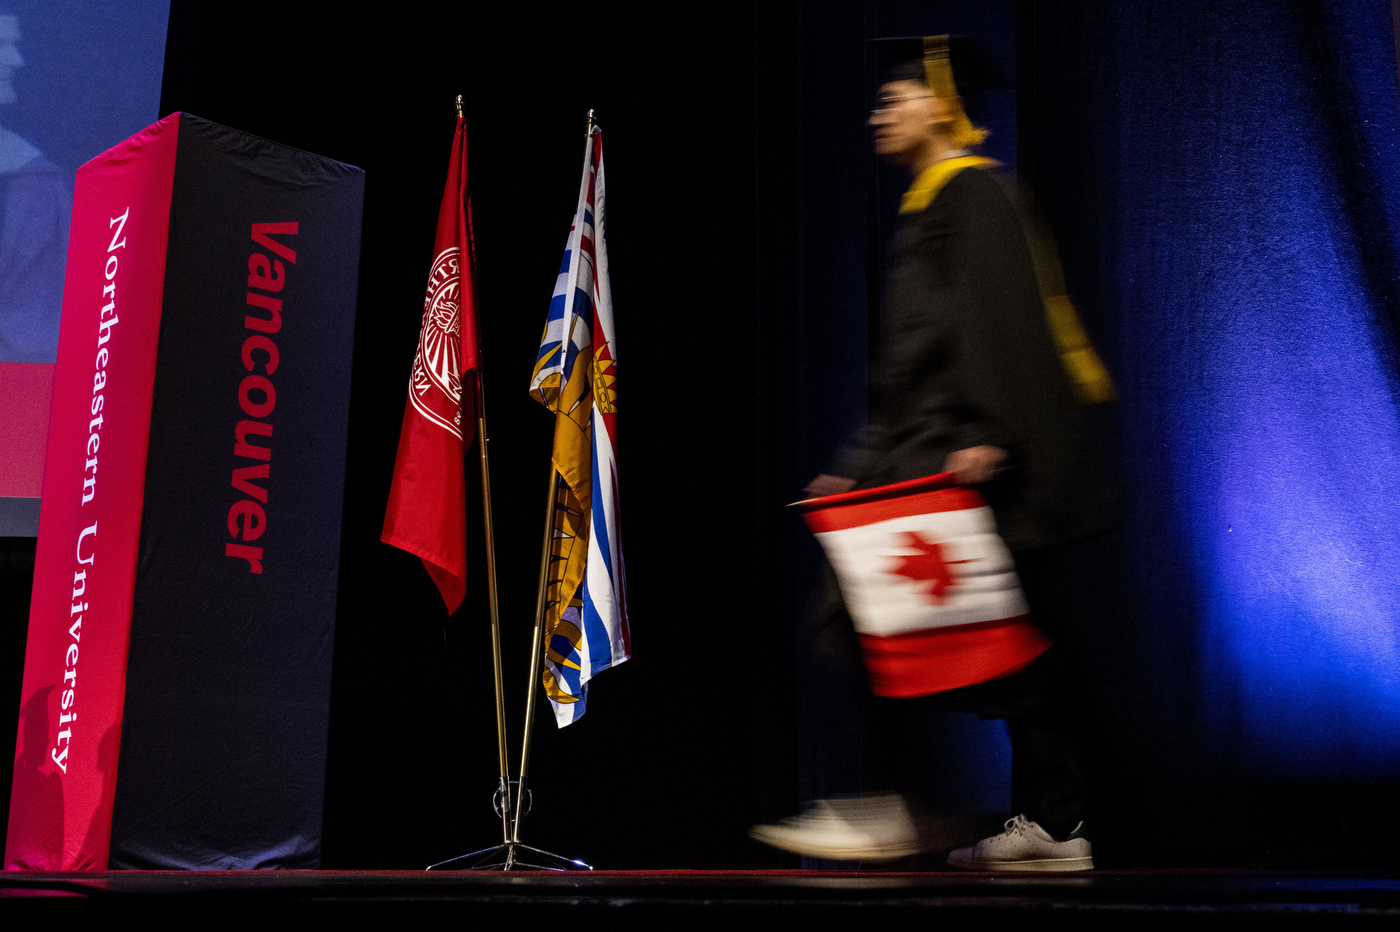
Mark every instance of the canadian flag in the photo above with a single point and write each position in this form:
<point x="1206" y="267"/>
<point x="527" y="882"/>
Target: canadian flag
<point x="930" y="585"/>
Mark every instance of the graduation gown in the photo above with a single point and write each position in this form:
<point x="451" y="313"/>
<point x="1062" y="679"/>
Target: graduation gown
<point x="967" y="359"/>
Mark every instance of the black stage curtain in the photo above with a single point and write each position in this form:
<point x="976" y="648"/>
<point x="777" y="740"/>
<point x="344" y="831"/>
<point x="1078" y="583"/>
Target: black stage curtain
<point x="1222" y="178"/>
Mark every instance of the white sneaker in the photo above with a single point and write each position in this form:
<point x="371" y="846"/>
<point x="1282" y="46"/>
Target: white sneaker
<point x="1025" y="846"/>
<point x="862" y="828"/>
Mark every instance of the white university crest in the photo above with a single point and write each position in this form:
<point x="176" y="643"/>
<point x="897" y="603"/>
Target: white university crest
<point x="436" y="382"/>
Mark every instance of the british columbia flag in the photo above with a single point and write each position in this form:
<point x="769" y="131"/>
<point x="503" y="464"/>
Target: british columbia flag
<point x="576" y="377"/>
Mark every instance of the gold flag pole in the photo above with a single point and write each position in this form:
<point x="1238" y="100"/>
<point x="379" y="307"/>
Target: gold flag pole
<point x="522" y="793"/>
<point x="486" y="858"/>
<point x="517" y="852"/>
<point x="503" y="787"/>
<point x="502" y="856"/>
<point x="502" y="753"/>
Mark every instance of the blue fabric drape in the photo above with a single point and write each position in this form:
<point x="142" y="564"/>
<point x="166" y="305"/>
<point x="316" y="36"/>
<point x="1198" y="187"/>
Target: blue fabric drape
<point x="1225" y="178"/>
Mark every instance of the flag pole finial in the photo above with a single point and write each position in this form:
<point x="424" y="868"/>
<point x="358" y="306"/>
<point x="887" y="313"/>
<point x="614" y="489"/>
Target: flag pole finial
<point x="589" y="131"/>
<point x="459" y="106"/>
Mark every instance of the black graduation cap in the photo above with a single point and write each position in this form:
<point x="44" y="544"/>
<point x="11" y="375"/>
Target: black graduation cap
<point x="907" y="58"/>
<point x="951" y="66"/>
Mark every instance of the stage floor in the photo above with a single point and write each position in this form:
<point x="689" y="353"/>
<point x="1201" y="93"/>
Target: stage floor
<point x="686" y="899"/>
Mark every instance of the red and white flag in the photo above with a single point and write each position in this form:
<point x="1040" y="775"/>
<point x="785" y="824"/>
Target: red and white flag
<point x="427" y="500"/>
<point x="930" y="585"/>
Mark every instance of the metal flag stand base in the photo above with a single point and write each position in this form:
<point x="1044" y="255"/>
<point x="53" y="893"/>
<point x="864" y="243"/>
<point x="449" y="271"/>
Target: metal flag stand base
<point x="509" y="857"/>
<point x="512" y="854"/>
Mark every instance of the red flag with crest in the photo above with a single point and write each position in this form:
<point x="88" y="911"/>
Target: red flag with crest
<point x="427" y="500"/>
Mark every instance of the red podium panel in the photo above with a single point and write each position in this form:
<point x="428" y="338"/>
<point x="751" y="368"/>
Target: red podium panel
<point x="177" y="672"/>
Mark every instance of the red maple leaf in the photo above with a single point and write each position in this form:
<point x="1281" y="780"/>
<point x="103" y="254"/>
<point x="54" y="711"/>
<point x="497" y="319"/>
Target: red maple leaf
<point x="928" y="566"/>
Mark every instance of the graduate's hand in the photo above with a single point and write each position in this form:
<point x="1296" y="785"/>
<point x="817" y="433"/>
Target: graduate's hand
<point x="828" y="485"/>
<point x="974" y="465"/>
